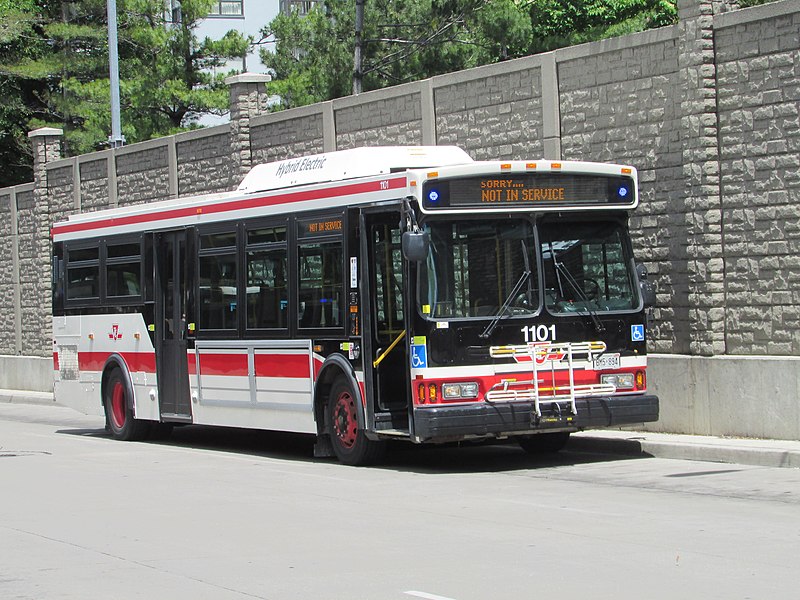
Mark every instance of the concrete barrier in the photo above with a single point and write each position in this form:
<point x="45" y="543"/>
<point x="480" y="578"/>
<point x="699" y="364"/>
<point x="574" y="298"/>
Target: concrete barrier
<point x="740" y="396"/>
<point x="26" y="373"/>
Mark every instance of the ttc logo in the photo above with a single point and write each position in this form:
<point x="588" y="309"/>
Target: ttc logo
<point x="115" y="334"/>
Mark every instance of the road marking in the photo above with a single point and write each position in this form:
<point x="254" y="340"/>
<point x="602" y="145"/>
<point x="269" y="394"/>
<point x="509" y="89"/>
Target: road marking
<point x="427" y="595"/>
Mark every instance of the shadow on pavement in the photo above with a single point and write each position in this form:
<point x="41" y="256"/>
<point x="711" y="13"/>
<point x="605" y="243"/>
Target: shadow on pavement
<point x="450" y="458"/>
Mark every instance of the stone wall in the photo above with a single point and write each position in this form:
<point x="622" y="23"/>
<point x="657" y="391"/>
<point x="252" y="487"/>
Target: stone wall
<point x="758" y="79"/>
<point x="9" y="269"/>
<point x="204" y="162"/>
<point x="620" y="106"/>
<point x="494" y="113"/>
<point x="295" y="133"/>
<point x="379" y="121"/>
<point x="707" y="110"/>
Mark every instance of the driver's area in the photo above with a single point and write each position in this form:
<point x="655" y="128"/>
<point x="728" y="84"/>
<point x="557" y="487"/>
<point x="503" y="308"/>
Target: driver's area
<point x="586" y="266"/>
<point x="483" y="269"/>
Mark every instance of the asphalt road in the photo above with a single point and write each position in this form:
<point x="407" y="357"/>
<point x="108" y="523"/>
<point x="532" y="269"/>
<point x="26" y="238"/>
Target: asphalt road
<point x="232" y="514"/>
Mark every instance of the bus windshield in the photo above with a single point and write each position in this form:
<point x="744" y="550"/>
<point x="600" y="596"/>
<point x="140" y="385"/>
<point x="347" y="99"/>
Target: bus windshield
<point x="474" y="266"/>
<point x="587" y="267"/>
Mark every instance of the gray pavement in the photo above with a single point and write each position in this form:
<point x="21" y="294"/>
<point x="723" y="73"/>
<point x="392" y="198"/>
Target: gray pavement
<point x="743" y="451"/>
<point x="227" y="514"/>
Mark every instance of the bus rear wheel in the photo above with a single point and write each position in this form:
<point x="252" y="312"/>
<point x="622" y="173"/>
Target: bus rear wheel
<point x="544" y="443"/>
<point x="350" y="443"/>
<point x="119" y="416"/>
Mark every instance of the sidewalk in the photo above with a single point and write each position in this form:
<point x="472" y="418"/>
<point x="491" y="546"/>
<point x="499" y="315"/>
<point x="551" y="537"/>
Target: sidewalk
<point x="26" y="397"/>
<point x="743" y="451"/>
<point x="763" y="453"/>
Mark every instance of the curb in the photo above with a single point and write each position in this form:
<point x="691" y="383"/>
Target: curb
<point x="743" y="452"/>
<point x="26" y="397"/>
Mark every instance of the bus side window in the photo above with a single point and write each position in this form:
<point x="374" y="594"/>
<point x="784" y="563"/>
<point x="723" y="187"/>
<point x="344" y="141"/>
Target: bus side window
<point x="217" y="281"/>
<point x="319" y="299"/>
<point x="83" y="273"/>
<point x="267" y="299"/>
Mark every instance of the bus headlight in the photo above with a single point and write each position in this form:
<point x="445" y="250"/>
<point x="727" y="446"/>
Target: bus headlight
<point x="621" y="381"/>
<point x="453" y="391"/>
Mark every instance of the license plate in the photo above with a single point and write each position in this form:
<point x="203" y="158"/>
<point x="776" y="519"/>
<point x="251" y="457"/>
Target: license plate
<point x="606" y="361"/>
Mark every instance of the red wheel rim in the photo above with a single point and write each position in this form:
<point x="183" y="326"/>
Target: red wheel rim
<point x="345" y="422"/>
<point x="118" y="405"/>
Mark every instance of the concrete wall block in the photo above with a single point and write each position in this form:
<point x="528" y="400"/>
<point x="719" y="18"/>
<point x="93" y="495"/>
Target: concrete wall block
<point x="149" y="159"/>
<point x="140" y="187"/>
<point x="753" y="90"/>
<point x="381" y="113"/>
<point x="94" y="169"/>
<point x="403" y="134"/>
<point x="205" y="165"/>
<point x="287" y="138"/>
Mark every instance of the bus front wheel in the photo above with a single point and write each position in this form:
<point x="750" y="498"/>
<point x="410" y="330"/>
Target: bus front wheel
<point x="119" y="416"/>
<point x="350" y="443"/>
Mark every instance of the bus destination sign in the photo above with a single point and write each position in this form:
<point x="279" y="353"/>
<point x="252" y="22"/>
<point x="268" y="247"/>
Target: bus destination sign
<point x="315" y="227"/>
<point x="529" y="190"/>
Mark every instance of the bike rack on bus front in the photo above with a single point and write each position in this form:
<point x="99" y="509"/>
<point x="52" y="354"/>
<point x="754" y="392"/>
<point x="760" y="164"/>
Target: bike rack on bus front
<point x="541" y="354"/>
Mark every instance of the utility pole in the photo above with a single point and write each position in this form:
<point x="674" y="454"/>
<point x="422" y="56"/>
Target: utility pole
<point x="357" y="75"/>
<point x="116" y="140"/>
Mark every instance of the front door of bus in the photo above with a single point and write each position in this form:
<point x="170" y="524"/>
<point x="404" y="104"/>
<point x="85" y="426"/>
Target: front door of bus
<point x="382" y="254"/>
<point x="171" y="327"/>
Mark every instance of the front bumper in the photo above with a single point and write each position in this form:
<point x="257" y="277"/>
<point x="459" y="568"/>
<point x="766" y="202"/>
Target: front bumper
<point x="448" y="423"/>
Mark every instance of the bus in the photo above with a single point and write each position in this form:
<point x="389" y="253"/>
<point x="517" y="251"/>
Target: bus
<point x="364" y="295"/>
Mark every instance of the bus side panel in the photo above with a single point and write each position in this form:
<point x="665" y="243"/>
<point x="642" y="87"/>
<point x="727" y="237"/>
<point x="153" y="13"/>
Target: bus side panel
<point x="256" y="385"/>
<point x="83" y="346"/>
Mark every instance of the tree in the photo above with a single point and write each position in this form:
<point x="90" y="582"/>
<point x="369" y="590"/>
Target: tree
<point x="54" y="67"/>
<point x="15" y="95"/>
<point x="407" y="40"/>
<point x="559" y="23"/>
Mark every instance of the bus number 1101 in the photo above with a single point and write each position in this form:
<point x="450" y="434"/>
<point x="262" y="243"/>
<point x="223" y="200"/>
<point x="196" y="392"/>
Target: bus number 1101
<point x="539" y="333"/>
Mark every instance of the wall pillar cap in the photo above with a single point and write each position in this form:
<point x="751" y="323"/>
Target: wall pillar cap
<point x="248" y="78"/>
<point x="45" y="131"/>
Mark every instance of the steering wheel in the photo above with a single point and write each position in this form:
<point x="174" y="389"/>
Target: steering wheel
<point x="593" y="293"/>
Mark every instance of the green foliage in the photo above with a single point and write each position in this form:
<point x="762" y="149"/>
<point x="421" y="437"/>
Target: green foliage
<point x="54" y="72"/>
<point x="407" y="40"/>
<point x="313" y="59"/>
<point x="560" y="23"/>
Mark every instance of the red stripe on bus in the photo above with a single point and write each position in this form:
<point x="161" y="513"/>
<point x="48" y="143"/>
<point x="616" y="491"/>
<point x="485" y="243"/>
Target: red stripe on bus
<point x="546" y="382"/>
<point x="232" y="365"/>
<point x="282" y="365"/>
<point x="243" y="204"/>
<point x="137" y="362"/>
<point x="295" y="366"/>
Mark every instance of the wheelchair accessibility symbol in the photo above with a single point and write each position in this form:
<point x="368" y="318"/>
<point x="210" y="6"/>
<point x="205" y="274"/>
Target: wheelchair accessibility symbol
<point x="637" y="333"/>
<point x="419" y="357"/>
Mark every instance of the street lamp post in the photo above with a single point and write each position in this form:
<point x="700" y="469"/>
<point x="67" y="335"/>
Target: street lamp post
<point x="116" y="140"/>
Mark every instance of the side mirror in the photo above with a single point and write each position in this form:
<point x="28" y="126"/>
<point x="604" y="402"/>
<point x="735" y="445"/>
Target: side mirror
<point x="646" y="288"/>
<point x="415" y="245"/>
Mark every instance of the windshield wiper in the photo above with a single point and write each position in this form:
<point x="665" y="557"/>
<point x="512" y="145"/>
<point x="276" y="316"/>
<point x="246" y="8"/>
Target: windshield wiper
<point x="513" y="294"/>
<point x="562" y="271"/>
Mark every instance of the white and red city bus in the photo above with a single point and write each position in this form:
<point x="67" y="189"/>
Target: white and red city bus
<point x="405" y="293"/>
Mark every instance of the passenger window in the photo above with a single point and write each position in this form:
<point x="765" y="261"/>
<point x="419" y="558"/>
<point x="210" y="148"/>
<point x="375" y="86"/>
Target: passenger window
<point x="83" y="273"/>
<point x="123" y="270"/>
<point x="217" y="281"/>
<point x="320" y="290"/>
<point x="267" y="270"/>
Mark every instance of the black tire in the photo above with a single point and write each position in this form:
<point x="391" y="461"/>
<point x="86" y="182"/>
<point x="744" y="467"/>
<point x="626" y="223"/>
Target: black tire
<point x="119" y="416"/>
<point x="350" y="443"/>
<point x="544" y="443"/>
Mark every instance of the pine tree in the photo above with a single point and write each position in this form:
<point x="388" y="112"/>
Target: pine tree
<point x="54" y="71"/>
